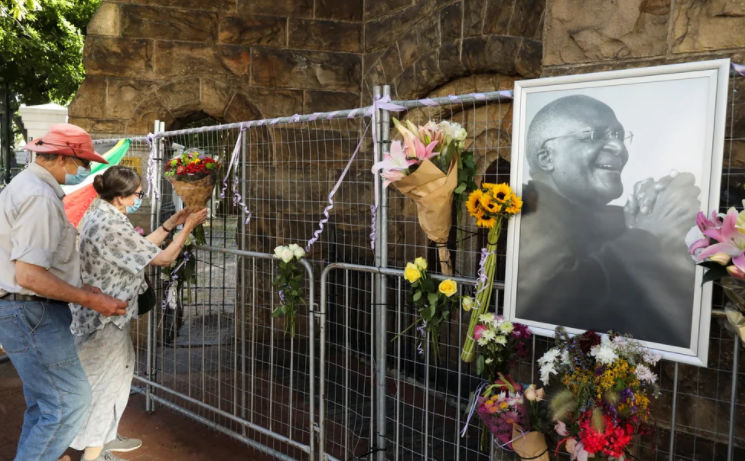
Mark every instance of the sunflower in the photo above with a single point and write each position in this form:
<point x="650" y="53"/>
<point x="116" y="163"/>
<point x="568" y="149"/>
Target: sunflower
<point x="486" y="222"/>
<point x="515" y="206"/>
<point x="485" y="200"/>
<point x="501" y="192"/>
<point x="493" y="207"/>
<point x="473" y="201"/>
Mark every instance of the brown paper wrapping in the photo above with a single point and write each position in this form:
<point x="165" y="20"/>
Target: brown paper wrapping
<point x="432" y="191"/>
<point x="529" y="446"/>
<point x="195" y="194"/>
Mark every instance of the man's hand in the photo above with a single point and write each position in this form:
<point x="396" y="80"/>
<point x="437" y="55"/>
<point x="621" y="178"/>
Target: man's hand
<point x="90" y="289"/>
<point x="674" y="210"/>
<point x="177" y="219"/>
<point x="106" y="305"/>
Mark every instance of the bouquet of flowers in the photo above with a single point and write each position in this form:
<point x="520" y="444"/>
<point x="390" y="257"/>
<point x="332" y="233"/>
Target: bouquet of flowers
<point x="193" y="175"/>
<point x="605" y="401"/>
<point x="288" y="282"/>
<point x="490" y="204"/>
<point x="500" y="342"/>
<point x="718" y="244"/>
<point x="516" y="417"/>
<point x="433" y="302"/>
<point x="426" y="169"/>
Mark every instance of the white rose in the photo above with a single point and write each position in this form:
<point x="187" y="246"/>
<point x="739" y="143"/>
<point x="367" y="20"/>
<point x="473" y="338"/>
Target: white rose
<point x="293" y="246"/>
<point x="278" y="252"/>
<point x="298" y="252"/>
<point x="286" y="255"/>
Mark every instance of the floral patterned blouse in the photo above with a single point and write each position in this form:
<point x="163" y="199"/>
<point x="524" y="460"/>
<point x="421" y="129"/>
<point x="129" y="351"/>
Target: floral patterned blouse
<point x="113" y="258"/>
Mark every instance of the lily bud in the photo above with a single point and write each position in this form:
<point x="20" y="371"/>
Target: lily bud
<point x="735" y="272"/>
<point x="530" y="393"/>
<point x="540" y="394"/>
<point x="721" y="258"/>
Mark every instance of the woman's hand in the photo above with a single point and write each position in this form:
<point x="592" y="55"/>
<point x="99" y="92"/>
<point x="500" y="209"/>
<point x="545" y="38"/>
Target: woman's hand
<point x="177" y="219"/>
<point x="195" y="219"/>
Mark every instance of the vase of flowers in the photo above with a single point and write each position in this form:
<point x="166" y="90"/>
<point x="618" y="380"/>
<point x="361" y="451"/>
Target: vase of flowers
<point x="193" y="175"/>
<point x="606" y="384"/>
<point x="490" y="205"/>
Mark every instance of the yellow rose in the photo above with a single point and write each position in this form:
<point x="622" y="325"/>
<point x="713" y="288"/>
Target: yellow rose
<point x="421" y="263"/>
<point x="448" y="288"/>
<point x="411" y="273"/>
<point x="468" y="303"/>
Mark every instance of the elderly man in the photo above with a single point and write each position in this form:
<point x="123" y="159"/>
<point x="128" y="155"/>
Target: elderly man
<point x="589" y="265"/>
<point x="39" y="276"/>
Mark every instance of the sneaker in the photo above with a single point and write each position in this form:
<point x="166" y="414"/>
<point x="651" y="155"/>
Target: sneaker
<point x="122" y="444"/>
<point x="105" y="456"/>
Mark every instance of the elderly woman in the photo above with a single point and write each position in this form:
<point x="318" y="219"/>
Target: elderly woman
<point x="113" y="258"/>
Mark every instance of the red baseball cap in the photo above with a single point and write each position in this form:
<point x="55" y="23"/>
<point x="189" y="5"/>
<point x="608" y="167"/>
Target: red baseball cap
<point x="66" y="139"/>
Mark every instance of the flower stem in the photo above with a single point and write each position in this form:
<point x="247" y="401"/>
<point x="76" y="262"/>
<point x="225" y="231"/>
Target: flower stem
<point x="484" y="296"/>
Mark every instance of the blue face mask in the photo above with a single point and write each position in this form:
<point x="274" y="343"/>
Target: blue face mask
<point x="75" y="179"/>
<point x="131" y="209"/>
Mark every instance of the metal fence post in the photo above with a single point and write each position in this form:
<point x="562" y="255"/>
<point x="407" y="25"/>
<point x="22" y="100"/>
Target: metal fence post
<point x="151" y="345"/>
<point x="382" y="119"/>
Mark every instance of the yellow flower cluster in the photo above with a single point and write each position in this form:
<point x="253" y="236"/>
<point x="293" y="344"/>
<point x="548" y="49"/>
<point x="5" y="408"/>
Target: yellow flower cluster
<point x="578" y="379"/>
<point x="606" y="381"/>
<point x="492" y="201"/>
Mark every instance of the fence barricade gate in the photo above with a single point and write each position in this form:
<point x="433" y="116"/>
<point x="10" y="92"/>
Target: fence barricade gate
<point x="345" y="387"/>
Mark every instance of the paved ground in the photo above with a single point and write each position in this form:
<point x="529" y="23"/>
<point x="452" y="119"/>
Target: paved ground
<point x="166" y="435"/>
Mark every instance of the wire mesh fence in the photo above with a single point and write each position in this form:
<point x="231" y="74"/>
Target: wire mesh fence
<point x="342" y="389"/>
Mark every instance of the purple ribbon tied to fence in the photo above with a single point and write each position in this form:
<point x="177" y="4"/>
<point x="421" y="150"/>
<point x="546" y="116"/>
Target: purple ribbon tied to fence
<point x="483" y="279"/>
<point x="151" y="163"/>
<point x="237" y="199"/>
<point x="327" y="216"/>
<point x="474" y="404"/>
<point x="422" y="329"/>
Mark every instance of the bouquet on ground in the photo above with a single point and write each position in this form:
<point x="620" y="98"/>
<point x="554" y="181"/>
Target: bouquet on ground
<point x="433" y="302"/>
<point x="516" y="416"/>
<point x="193" y="175"/>
<point x="607" y="385"/>
<point x="490" y="205"/>
<point x="718" y="244"/>
<point x="288" y="282"/>
<point x="426" y="169"/>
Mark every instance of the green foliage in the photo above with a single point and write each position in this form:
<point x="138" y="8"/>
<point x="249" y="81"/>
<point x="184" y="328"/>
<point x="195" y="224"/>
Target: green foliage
<point x="289" y="282"/>
<point x="41" y="44"/>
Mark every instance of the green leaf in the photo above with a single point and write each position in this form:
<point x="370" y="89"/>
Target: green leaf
<point x="714" y="274"/>
<point x="461" y="187"/>
<point x="480" y="365"/>
<point x="417" y="296"/>
<point x="432" y="298"/>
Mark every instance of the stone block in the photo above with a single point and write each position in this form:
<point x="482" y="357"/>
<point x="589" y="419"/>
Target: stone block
<point x="382" y="32"/>
<point x="497" y="16"/>
<point x="214" y="97"/>
<point x="376" y="9"/>
<point x="297" y="146"/>
<point x="376" y="76"/>
<point x="292" y="8"/>
<point x="451" y="22"/>
<point x="527" y="18"/>
<point x="212" y="5"/>
<point x="406" y="84"/>
<point x="528" y="60"/>
<point x="428" y="74"/>
<point x="473" y="17"/>
<point x="327" y="101"/>
<point x="490" y="54"/>
<point x="90" y="100"/>
<point x="105" y="21"/>
<point x="594" y="30"/>
<point x="450" y="63"/>
<point x="241" y="109"/>
<point x="391" y="61"/>
<point x="253" y="30"/>
<point x="118" y="57"/>
<point x="145" y="114"/>
<point x="82" y="122"/>
<point x="273" y="102"/>
<point x="428" y="34"/>
<point x="356" y="193"/>
<point x="704" y="26"/>
<point x="306" y="69"/>
<point x="168" y="23"/>
<point x="123" y="96"/>
<point x="107" y="126"/>
<point x="408" y="47"/>
<point x="175" y="59"/>
<point x="348" y="10"/>
<point x="325" y="35"/>
<point x="181" y="97"/>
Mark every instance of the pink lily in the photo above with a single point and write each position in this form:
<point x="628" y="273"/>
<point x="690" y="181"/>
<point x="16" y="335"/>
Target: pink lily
<point x="731" y="242"/>
<point x="394" y="165"/>
<point x="415" y="148"/>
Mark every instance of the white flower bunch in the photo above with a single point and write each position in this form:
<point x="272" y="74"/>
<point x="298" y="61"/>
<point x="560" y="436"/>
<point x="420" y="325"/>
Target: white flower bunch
<point x="287" y="253"/>
<point x="453" y="132"/>
<point x="548" y="364"/>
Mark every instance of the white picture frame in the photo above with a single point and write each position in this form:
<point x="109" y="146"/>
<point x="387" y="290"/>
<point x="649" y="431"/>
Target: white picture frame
<point x="706" y="83"/>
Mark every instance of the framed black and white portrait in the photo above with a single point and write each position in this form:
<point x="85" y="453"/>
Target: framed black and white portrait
<point x="613" y="168"/>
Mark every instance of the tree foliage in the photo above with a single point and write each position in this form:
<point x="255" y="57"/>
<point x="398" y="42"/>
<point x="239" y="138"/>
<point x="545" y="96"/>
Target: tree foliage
<point x="41" y="48"/>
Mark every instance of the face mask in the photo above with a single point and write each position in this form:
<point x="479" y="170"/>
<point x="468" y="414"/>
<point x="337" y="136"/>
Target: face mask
<point x="75" y="179"/>
<point x="131" y="209"/>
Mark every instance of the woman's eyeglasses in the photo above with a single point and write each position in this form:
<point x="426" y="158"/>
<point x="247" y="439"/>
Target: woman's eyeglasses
<point x="140" y="195"/>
